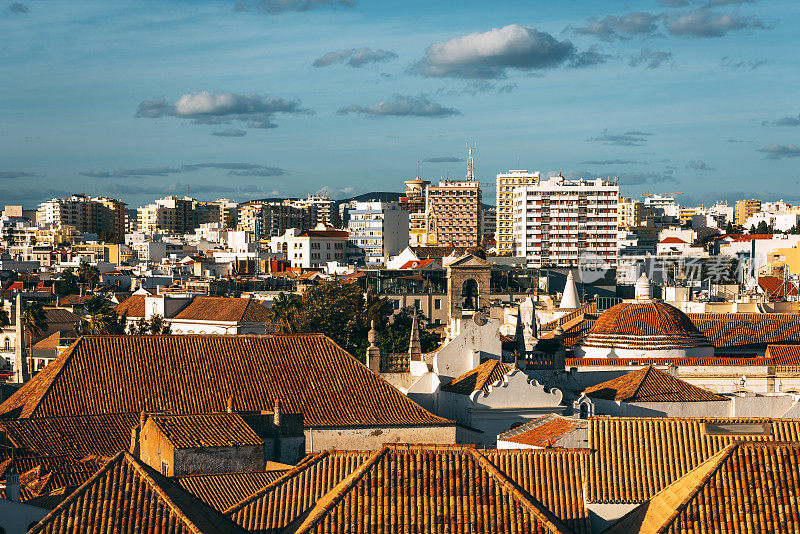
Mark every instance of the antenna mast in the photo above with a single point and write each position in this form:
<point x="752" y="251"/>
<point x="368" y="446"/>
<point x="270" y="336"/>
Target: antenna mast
<point x="470" y="164"/>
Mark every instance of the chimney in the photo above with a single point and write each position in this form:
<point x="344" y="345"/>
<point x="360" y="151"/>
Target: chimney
<point x="373" y="352"/>
<point x="229" y="409"/>
<point x="12" y="485"/>
<point x="20" y="367"/>
<point x="276" y="414"/>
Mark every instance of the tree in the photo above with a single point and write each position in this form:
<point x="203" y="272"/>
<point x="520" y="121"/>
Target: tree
<point x="729" y="228"/>
<point x="283" y="313"/>
<point x="155" y="326"/>
<point x="67" y="284"/>
<point x="4" y="319"/>
<point x="395" y="336"/>
<point x="35" y="322"/>
<point x="100" y="318"/>
<point x="88" y="274"/>
<point x="343" y="313"/>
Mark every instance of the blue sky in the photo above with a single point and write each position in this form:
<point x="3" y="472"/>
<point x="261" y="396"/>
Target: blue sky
<point x="253" y="98"/>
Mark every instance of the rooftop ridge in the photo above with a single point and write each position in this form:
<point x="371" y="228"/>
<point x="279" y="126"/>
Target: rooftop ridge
<point x="655" y="515"/>
<point x="537" y="509"/>
<point x="304" y="464"/>
<point x="307" y="521"/>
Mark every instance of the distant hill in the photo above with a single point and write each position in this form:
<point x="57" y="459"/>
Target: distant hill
<point x="382" y="196"/>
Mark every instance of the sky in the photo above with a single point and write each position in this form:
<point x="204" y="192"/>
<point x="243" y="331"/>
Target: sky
<point x="249" y="99"/>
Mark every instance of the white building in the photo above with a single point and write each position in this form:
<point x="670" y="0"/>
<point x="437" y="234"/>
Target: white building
<point x="379" y="229"/>
<point x="662" y="206"/>
<point x="311" y="249"/>
<point x="558" y="220"/>
<point x="488" y="223"/>
<point x="506" y="182"/>
<point x="782" y="221"/>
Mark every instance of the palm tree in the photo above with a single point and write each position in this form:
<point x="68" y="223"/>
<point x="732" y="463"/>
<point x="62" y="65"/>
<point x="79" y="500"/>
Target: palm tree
<point x="34" y="322"/>
<point x="89" y="274"/>
<point x="283" y="311"/>
<point x="101" y="319"/>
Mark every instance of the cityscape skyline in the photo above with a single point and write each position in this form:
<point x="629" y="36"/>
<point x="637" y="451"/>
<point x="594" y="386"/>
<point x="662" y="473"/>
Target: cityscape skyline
<point x="137" y="100"/>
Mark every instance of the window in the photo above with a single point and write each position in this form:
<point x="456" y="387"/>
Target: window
<point x="417" y="303"/>
<point x="164" y="468"/>
<point x="437" y="304"/>
<point x="7" y="344"/>
<point x="396" y="304"/>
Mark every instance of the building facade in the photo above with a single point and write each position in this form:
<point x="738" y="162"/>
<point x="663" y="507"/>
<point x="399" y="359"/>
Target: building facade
<point x="744" y="209"/>
<point x="454" y="213"/>
<point x="558" y="221"/>
<point x="97" y="215"/>
<point x="506" y="182"/>
<point x="379" y="229"/>
<point x="630" y="213"/>
<point x="311" y="249"/>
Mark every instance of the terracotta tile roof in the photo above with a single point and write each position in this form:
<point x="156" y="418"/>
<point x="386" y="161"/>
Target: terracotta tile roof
<point x="205" y="430"/>
<point x="343" y="234"/>
<point x="128" y="496"/>
<point x="711" y="361"/>
<point x="545" y="431"/>
<point x="76" y="435"/>
<point x="746" y="237"/>
<point x="738" y="331"/>
<point x="42" y="475"/>
<point x="644" y="324"/>
<point x="744" y="330"/>
<point x="419" y="489"/>
<point x="554" y="477"/>
<point x="589" y="307"/>
<point x="775" y="289"/>
<point x="54" y="340"/>
<point x="784" y="354"/>
<point x="633" y="458"/>
<point x="650" y="385"/>
<point x="221" y="491"/>
<point x="745" y="487"/>
<point x="309" y="373"/>
<point x="132" y="306"/>
<point x="60" y="315"/>
<point x="73" y="300"/>
<point x="479" y="378"/>
<point x="671" y="240"/>
<point x="421" y="264"/>
<point x="234" y="310"/>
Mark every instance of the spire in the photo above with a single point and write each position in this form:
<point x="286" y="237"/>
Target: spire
<point x="569" y="298"/>
<point x="519" y="331"/>
<point x="373" y="352"/>
<point x="415" y="346"/>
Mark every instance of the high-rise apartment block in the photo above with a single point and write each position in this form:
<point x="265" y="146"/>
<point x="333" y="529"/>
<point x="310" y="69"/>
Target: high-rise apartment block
<point x="172" y="214"/>
<point x="319" y="208"/>
<point x="559" y="221"/>
<point x="98" y="215"/>
<point x="379" y="229"/>
<point x="415" y="203"/>
<point x="506" y="182"/>
<point x="454" y="213"/>
<point x="272" y="219"/>
<point x="744" y="209"/>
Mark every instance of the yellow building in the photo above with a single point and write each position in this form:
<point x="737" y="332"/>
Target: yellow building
<point x="744" y="209"/>
<point x="506" y="182"/>
<point x="630" y="213"/>
<point x="108" y="252"/>
<point x="686" y="214"/>
<point x="780" y="259"/>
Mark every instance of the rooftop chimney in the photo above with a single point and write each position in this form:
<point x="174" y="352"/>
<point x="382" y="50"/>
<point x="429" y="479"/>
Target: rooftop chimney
<point x="276" y="413"/>
<point x="373" y="352"/>
<point x="12" y="485"/>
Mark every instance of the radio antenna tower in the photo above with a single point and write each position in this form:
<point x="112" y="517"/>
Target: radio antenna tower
<point x="470" y="164"/>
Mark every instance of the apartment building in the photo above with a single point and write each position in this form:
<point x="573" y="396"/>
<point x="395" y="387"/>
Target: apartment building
<point x="271" y="219"/>
<point x="488" y="223"/>
<point x="744" y="209"/>
<point x="378" y="230"/>
<point x="97" y="215"/>
<point x="558" y="220"/>
<point x="631" y="213"/>
<point x="506" y="182"/>
<point x="454" y="213"/>
<point x="311" y="249"/>
<point x="171" y="214"/>
<point x="319" y="208"/>
<point x="415" y="203"/>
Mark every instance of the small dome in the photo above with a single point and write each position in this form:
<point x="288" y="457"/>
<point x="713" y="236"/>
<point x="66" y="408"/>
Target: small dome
<point x="644" y="329"/>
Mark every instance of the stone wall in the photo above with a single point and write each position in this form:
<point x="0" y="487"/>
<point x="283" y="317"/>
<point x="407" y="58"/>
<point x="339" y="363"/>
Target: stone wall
<point x="371" y="438"/>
